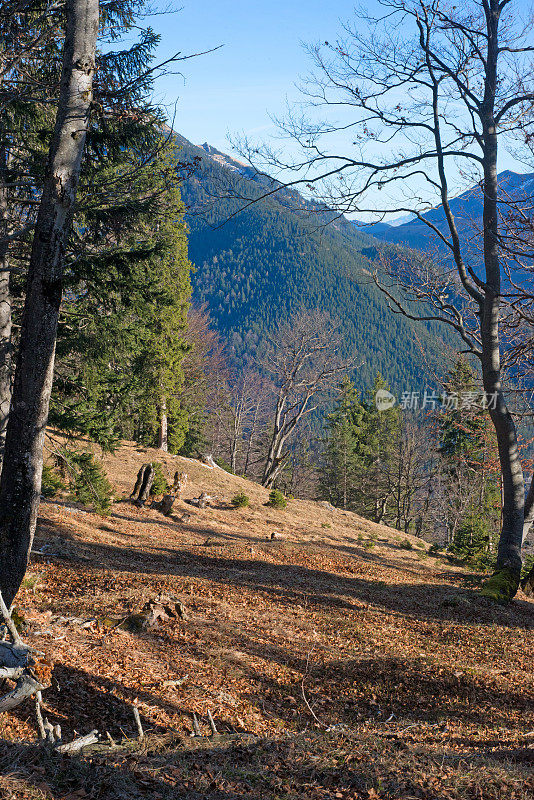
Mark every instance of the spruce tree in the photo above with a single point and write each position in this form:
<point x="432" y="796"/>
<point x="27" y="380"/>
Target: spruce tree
<point x="120" y="351"/>
<point x="378" y="452"/>
<point x="340" y="467"/>
<point x="469" y="461"/>
<point x="359" y="461"/>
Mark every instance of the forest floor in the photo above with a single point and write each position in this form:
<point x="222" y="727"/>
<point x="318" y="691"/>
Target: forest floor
<point x="339" y="659"/>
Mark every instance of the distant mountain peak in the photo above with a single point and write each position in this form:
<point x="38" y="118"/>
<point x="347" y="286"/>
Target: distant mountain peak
<point x="225" y="160"/>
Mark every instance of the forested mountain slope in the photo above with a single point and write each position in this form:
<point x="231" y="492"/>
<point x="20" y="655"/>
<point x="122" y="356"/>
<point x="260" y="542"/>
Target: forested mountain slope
<point x="256" y="267"/>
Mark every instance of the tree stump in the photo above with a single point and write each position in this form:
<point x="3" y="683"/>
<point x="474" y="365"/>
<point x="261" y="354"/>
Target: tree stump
<point x="138" y="482"/>
<point x="143" y="484"/>
<point x="166" y="504"/>
<point x="201" y="502"/>
<point x="179" y="482"/>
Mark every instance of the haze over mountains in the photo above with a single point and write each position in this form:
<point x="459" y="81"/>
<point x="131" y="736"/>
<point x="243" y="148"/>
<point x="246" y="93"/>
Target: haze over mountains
<point x="254" y="267"/>
<point x="467" y="211"/>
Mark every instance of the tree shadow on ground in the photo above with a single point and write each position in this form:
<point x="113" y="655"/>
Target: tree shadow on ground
<point x="373" y="688"/>
<point x="297" y="583"/>
<point x="313" y="765"/>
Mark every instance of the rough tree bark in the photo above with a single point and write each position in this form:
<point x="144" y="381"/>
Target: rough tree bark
<point x="138" y="482"/>
<point x="146" y="485"/>
<point x="23" y="458"/>
<point x="528" y="582"/>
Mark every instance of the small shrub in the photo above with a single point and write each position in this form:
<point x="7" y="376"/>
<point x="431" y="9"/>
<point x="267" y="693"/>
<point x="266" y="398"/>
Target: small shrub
<point x="51" y="483"/>
<point x="481" y="562"/>
<point x="325" y="525"/>
<point x="88" y="482"/>
<point x="435" y="549"/>
<point x="277" y="499"/>
<point x="406" y="544"/>
<point x="240" y="500"/>
<point x="160" y="484"/>
<point x="31" y="581"/>
<point x="223" y="465"/>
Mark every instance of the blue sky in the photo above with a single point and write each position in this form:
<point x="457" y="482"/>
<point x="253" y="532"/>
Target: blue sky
<point x="236" y="88"/>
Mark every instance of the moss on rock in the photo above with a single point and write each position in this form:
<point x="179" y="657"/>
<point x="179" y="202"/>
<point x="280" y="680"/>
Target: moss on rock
<point x="501" y="586"/>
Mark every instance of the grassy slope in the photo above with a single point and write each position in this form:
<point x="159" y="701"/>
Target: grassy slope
<point x="335" y="661"/>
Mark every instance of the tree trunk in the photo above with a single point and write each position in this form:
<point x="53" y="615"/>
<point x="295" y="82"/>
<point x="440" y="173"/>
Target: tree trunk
<point x="270" y="466"/>
<point x="5" y="308"/>
<point x="528" y="582"/>
<point x="146" y="485"/>
<point x="163" y="441"/>
<point x="23" y="458"/>
<point x="139" y="481"/>
<point x="167" y="504"/>
<point x="504" y="583"/>
<point x="250" y="439"/>
<point x="5" y="349"/>
<point x="283" y="428"/>
<point x="529" y="510"/>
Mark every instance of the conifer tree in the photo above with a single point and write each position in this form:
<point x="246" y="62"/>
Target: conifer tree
<point x="469" y="460"/>
<point x="120" y="348"/>
<point x="360" y="459"/>
<point x="101" y="91"/>
<point x="378" y="453"/>
<point x="159" y="364"/>
<point x="340" y="468"/>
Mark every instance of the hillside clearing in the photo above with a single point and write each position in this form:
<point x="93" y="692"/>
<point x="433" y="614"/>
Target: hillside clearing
<point x="338" y="659"/>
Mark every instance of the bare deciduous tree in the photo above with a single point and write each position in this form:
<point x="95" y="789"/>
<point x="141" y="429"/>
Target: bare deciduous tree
<point x="303" y="360"/>
<point x="428" y="92"/>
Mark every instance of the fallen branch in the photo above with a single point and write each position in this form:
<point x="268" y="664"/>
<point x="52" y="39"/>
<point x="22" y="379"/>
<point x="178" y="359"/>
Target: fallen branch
<point x="40" y="721"/>
<point x="212" y="724"/>
<point x="196" y="726"/>
<point x="76" y="745"/>
<point x="138" y="723"/>
<point x="9" y="622"/>
<point x="201" y="502"/>
<point x="26" y="687"/>
<point x="11" y="673"/>
<point x="49" y="731"/>
<point x="303" y="692"/>
<point x="15" y="665"/>
<point x="13" y="655"/>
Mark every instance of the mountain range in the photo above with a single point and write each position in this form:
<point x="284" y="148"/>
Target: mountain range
<point x="467" y="211"/>
<point x="254" y="266"/>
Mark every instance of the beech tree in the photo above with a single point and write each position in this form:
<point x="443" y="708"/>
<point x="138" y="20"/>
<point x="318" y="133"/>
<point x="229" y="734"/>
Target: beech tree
<point x="303" y="360"/>
<point x="429" y="93"/>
